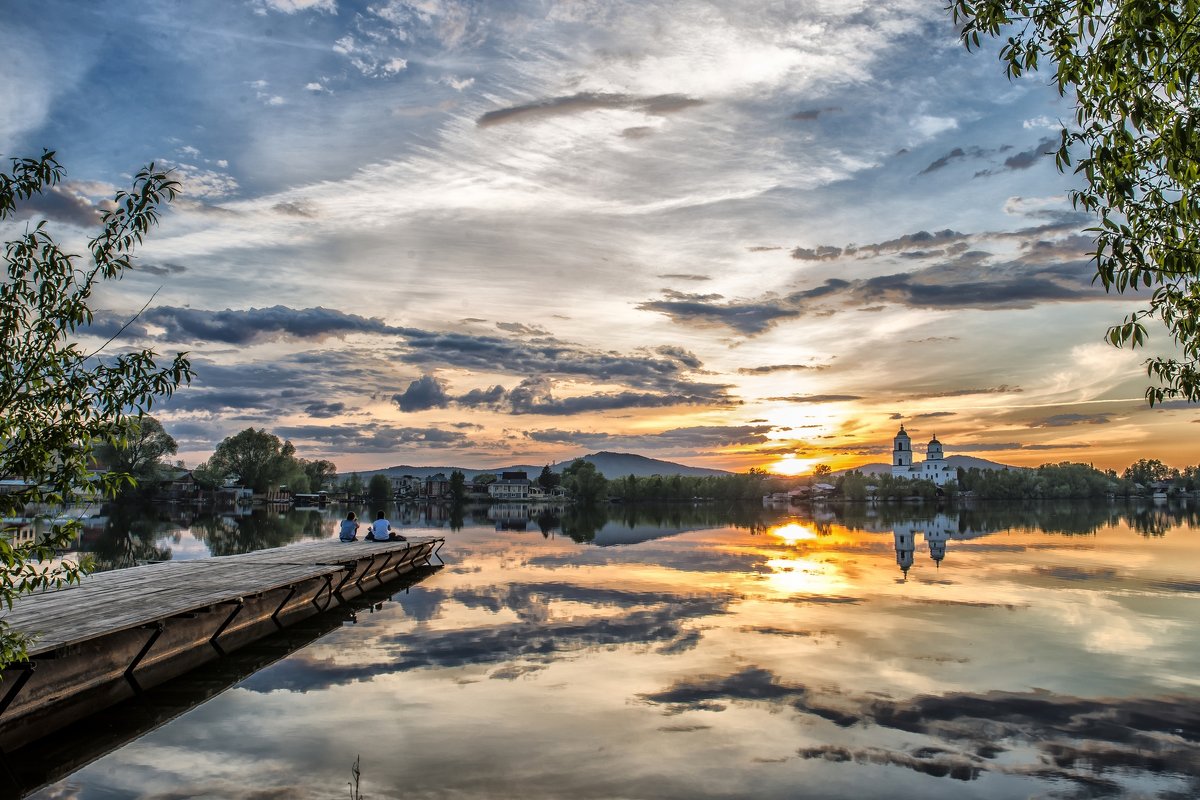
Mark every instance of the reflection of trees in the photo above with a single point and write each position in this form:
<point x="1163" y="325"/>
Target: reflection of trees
<point x="547" y="521"/>
<point x="1156" y="520"/>
<point x="456" y="514"/>
<point x="128" y="537"/>
<point x="1065" y="517"/>
<point x="582" y="520"/>
<point x="262" y="529"/>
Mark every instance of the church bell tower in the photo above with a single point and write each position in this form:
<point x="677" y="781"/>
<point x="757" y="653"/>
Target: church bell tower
<point x="902" y="449"/>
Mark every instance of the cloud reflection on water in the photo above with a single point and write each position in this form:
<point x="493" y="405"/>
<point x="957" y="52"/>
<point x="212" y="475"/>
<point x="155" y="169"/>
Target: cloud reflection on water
<point x="727" y="661"/>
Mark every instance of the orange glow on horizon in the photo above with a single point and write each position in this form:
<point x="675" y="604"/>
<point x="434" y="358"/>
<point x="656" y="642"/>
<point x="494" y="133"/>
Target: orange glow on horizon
<point x="791" y="465"/>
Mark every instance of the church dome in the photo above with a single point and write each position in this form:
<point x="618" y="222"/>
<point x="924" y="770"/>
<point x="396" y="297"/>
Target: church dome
<point x="902" y="432"/>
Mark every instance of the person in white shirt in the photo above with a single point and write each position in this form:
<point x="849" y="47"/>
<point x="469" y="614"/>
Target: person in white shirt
<point x="381" y="530"/>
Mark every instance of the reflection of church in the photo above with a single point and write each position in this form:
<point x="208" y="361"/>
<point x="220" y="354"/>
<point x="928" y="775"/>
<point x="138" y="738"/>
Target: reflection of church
<point x="936" y="532"/>
<point x="933" y="468"/>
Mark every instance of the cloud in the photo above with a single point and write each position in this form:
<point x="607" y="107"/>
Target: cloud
<point x="248" y="326"/>
<point x="1066" y="420"/>
<point x="810" y="114"/>
<point x="690" y="438"/>
<point x="63" y="203"/>
<point x="1003" y="388"/>
<point x="159" y="269"/>
<point x="1026" y="158"/>
<point x="772" y="368"/>
<point x="373" y="437"/>
<point x="294" y="6"/>
<point x="954" y="155"/>
<point x="588" y="101"/>
<point x="424" y="393"/>
<point x="816" y="398"/>
<point x="522" y="329"/>
<point x="683" y="276"/>
<point x="1067" y="736"/>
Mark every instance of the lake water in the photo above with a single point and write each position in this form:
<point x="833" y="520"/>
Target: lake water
<point x="713" y="652"/>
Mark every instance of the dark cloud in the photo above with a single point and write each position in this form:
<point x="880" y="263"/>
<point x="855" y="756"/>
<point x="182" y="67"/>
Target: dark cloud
<point x="532" y="639"/>
<point x="249" y="326"/>
<point x="1104" y="746"/>
<point x="159" y="269"/>
<point x="772" y="368"/>
<point x="294" y="209"/>
<point x="954" y="155"/>
<point x="62" y="203"/>
<point x="637" y="132"/>
<point x="685" y="357"/>
<point x="995" y="446"/>
<point x="822" y="253"/>
<point x="493" y="397"/>
<point x="761" y="248"/>
<point x="321" y="408"/>
<point x="372" y="437"/>
<point x="935" y="414"/>
<point x="1065" y="420"/>
<point x="1026" y="158"/>
<point x="653" y="378"/>
<point x="522" y="329"/>
<point x="682" y="276"/>
<point x="696" y="437"/>
<point x="816" y="398"/>
<point x="810" y="114"/>
<point x="424" y="393"/>
<point x="749" y="318"/>
<point x="1003" y="388"/>
<point x="588" y="101"/>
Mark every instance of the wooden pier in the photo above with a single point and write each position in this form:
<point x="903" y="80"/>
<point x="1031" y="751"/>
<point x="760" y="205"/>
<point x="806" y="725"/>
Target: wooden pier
<point x="119" y="633"/>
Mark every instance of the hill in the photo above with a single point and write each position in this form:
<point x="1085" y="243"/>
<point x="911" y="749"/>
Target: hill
<point x="610" y="465"/>
<point x="965" y="462"/>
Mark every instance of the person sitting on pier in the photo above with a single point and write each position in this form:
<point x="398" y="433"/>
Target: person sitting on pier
<point x="349" y="531"/>
<point x="381" y="530"/>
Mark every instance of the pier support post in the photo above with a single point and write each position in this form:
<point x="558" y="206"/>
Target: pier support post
<point x="275" y="616"/>
<point x="27" y="669"/>
<point x="239" y="604"/>
<point x="158" y="627"/>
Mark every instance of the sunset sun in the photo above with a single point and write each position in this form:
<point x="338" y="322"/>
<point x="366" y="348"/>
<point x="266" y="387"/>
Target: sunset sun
<point x="791" y="465"/>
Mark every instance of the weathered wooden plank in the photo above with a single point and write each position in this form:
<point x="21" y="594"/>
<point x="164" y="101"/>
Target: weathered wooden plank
<point x="108" y="602"/>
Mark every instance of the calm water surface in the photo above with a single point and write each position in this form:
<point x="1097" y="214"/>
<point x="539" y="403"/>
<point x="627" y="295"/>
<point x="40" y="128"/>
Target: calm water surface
<point x="689" y="653"/>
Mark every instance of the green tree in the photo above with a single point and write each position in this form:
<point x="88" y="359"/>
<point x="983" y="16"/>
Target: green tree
<point x="321" y="474"/>
<point x="584" y="482"/>
<point x="1146" y="471"/>
<point x="548" y="479"/>
<point x="260" y="460"/>
<point x="140" y="452"/>
<point x="353" y="485"/>
<point x="379" y="487"/>
<point x="59" y="400"/>
<point x="1133" y="70"/>
<point x="458" y="486"/>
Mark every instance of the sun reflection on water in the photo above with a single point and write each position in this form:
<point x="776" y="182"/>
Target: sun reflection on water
<point x="793" y="532"/>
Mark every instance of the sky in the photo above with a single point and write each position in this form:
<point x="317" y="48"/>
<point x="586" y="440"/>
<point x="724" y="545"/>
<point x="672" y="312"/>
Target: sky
<point x="731" y="234"/>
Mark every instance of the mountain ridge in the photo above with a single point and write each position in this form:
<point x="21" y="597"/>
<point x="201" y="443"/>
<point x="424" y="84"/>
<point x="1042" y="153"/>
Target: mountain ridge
<point x="611" y="465"/>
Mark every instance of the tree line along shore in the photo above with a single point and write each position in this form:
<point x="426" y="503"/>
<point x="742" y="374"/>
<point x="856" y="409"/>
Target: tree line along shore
<point x="261" y="464"/>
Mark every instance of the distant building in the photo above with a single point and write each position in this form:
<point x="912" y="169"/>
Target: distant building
<point x="407" y="486"/>
<point x="511" y="486"/>
<point x="933" y="468"/>
<point x="436" y="486"/>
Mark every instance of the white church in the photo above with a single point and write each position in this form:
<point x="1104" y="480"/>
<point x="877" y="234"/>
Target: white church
<point x="933" y="468"/>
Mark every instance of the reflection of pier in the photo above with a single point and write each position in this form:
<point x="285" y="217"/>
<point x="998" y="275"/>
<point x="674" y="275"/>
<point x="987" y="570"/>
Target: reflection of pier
<point x="118" y="633"/>
<point x="38" y="764"/>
